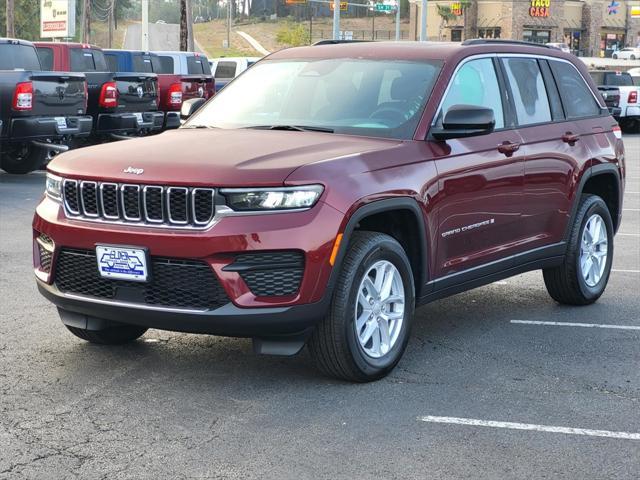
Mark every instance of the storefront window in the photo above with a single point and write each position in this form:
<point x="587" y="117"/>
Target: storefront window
<point x="536" y="36"/>
<point x="610" y="43"/>
<point x="456" y="35"/>
<point x="572" y="39"/>
<point x="493" y="32"/>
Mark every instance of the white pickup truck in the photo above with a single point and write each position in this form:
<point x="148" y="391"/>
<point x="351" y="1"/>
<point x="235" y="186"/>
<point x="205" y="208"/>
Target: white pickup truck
<point x="227" y="68"/>
<point x="612" y="82"/>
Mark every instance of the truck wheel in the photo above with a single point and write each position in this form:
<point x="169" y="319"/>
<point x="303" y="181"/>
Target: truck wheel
<point x="109" y="336"/>
<point x="367" y="328"/>
<point x="614" y="56"/>
<point x="583" y="276"/>
<point x="23" y="159"/>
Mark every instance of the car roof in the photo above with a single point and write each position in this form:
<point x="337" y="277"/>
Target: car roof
<point x="68" y="44"/>
<point x="407" y="50"/>
<point x="176" y="52"/>
<point x="15" y="41"/>
<point x="124" y="50"/>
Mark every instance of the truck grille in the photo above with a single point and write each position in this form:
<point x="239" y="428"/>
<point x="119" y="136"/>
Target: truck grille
<point x="173" y="283"/>
<point x="150" y="205"/>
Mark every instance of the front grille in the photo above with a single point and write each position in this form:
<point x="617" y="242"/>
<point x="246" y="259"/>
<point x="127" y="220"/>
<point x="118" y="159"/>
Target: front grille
<point x="151" y="205"/>
<point x="173" y="283"/>
<point x="269" y="274"/>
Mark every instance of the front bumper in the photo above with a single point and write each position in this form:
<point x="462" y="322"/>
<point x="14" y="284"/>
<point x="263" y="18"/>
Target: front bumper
<point x="129" y="122"/>
<point x="42" y="128"/>
<point x="312" y="232"/>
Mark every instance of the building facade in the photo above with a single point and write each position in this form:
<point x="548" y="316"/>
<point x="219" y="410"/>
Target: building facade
<point x="592" y="28"/>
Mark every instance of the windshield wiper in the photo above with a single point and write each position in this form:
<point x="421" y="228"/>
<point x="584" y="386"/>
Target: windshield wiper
<point x="198" y="126"/>
<point x="294" y="128"/>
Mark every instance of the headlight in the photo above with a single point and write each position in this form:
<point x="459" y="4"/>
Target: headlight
<point x="265" y="199"/>
<point x="53" y="186"/>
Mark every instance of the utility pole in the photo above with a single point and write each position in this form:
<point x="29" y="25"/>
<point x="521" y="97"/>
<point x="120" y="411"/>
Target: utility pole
<point x="145" y="26"/>
<point x="88" y="31"/>
<point x="423" y="22"/>
<point x="397" y="20"/>
<point x="11" y="33"/>
<point x="228" y="23"/>
<point x="336" y="19"/>
<point x="112" y="6"/>
<point x="184" y="28"/>
<point x="190" y="45"/>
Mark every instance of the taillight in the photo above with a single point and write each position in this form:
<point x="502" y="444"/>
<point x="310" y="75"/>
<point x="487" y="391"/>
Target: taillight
<point x="23" y="96"/>
<point x="617" y="132"/>
<point x="633" y="97"/>
<point x="109" y="95"/>
<point x="86" y="96"/>
<point x="175" y="94"/>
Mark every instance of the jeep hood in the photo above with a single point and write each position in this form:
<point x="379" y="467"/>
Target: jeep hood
<point x="244" y="157"/>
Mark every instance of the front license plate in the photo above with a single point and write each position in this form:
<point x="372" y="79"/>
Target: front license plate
<point x="139" y="118"/>
<point x="122" y="263"/>
<point x="61" y="121"/>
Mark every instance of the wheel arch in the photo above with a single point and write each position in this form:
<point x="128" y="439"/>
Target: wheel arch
<point x="371" y="217"/>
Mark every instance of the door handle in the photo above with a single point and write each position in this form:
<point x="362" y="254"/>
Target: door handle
<point x="570" y="138"/>
<point x="508" y="148"/>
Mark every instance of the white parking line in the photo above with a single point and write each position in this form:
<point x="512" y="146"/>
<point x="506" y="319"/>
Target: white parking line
<point x="624" y="271"/>
<point x="529" y="426"/>
<point x="628" y="234"/>
<point x="633" y="193"/>
<point x="631" y="209"/>
<point x="573" y="324"/>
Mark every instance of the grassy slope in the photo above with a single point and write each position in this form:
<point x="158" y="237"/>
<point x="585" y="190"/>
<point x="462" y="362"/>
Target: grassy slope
<point x="100" y="34"/>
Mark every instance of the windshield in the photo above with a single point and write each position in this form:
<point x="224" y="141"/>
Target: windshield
<point x="382" y="98"/>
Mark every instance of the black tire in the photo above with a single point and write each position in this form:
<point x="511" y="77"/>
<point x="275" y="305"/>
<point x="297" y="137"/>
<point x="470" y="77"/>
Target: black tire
<point x="333" y="344"/>
<point x="109" y="336"/>
<point x="23" y="159"/>
<point x="614" y="56"/>
<point x="565" y="283"/>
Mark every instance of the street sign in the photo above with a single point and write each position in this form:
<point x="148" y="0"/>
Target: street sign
<point x="57" y="18"/>
<point x="384" y="7"/>
<point x="344" y="6"/>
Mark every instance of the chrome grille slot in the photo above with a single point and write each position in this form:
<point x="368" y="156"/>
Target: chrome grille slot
<point x="71" y="199"/>
<point x="178" y="205"/>
<point x="130" y="195"/>
<point x="89" y="198"/>
<point x="109" y="199"/>
<point x="153" y="204"/>
<point x="144" y="205"/>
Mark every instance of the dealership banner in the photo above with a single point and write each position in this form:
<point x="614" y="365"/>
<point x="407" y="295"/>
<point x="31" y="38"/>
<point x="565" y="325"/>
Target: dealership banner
<point x="57" y="18"/>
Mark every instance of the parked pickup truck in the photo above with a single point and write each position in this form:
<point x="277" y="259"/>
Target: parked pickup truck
<point x="195" y="71"/>
<point x="40" y="112"/>
<point x="227" y="68"/>
<point x="608" y="82"/>
<point x="172" y="89"/>
<point x="121" y="104"/>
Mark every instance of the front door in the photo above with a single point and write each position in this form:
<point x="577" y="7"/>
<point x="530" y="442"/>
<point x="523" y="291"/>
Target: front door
<point x="480" y="188"/>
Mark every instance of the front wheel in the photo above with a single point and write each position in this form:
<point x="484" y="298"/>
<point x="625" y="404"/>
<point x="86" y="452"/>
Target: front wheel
<point x="614" y="56"/>
<point x="367" y="328"/>
<point x="583" y="276"/>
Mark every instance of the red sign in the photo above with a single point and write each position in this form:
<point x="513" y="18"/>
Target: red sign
<point x="540" y="8"/>
<point x="53" y="26"/>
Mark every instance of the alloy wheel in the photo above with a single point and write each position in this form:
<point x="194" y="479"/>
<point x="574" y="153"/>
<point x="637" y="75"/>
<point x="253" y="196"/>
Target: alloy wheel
<point x="594" y="250"/>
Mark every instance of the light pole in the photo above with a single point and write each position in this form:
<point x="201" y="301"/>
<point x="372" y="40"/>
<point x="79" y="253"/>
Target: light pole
<point x="336" y="19"/>
<point x="145" y="25"/>
<point x="423" y="22"/>
<point x="397" y="20"/>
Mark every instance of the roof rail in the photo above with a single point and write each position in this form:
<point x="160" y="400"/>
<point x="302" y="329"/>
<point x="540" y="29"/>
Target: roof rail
<point x="499" y="41"/>
<point x="337" y="42"/>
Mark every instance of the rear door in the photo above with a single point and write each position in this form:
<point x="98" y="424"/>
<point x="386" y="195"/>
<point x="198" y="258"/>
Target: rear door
<point x="553" y="145"/>
<point x="480" y="179"/>
<point x="138" y="92"/>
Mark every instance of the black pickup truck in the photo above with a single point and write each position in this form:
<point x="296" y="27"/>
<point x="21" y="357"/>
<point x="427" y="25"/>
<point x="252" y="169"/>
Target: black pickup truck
<point x="122" y="104"/>
<point x="40" y="112"/>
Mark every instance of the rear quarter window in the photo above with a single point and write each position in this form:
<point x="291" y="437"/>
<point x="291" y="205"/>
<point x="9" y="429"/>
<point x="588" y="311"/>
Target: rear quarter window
<point x="577" y="97"/>
<point x="87" y="60"/>
<point x="225" y="70"/>
<point x="112" y="62"/>
<point x="198" y="65"/>
<point x="142" y="64"/>
<point x="166" y="64"/>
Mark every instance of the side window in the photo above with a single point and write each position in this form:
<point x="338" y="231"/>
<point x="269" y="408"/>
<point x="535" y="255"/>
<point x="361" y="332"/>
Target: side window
<point x="46" y="58"/>
<point x="100" y="61"/>
<point x="528" y="90"/>
<point x="195" y="65"/>
<point x="142" y="64"/>
<point x="225" y="70"/>
<point x="577" y="98"/>
<point x="166" y="64"/>
<point x="81" y="60"/>
<point x="476" y="83"/>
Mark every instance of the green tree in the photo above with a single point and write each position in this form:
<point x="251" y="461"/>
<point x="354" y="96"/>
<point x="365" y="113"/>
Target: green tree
<point x="27" y="19"/>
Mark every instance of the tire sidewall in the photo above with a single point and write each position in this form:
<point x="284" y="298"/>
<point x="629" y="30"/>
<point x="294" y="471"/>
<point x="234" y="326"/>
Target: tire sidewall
<point x="597" y="207"/>
<point x="392" y="252"/>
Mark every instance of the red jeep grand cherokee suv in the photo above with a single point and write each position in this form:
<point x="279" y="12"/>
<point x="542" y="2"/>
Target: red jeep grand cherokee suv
<point x="329" y="190"/>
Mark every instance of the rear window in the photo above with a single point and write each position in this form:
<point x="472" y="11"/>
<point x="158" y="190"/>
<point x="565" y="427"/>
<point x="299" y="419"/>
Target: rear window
<point x="142" y="64"/>
<point x="618" y="79"/>
<point x="577" y="97"/>
<point x="18" y="57"/>
<point x="166" y="64"/>
<point x="46" y="58"/>
<point x="112" y="62"/>
<point x="87" y="60"/>
<point x="198" y="64"/>
<point x="225" y="70"/>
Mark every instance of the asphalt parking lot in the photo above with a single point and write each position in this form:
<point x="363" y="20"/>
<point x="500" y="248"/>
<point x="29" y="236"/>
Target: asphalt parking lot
<point x="478" y="394"/>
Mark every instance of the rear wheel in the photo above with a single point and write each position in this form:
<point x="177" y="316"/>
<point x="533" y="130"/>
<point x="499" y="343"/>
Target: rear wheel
<point x="23" y="159"/>
<point x="614" y="56"/>
<point x="367" y="328"/>
<point x="109" y="336"/>
<point x="583" y="276"/>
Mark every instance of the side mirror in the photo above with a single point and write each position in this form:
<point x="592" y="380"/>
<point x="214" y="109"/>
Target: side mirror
<point x="189" y="107"/>
<point x="462" y="121"/>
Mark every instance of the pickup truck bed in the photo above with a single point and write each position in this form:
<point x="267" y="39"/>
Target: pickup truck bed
<point x="44" y="111"/>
